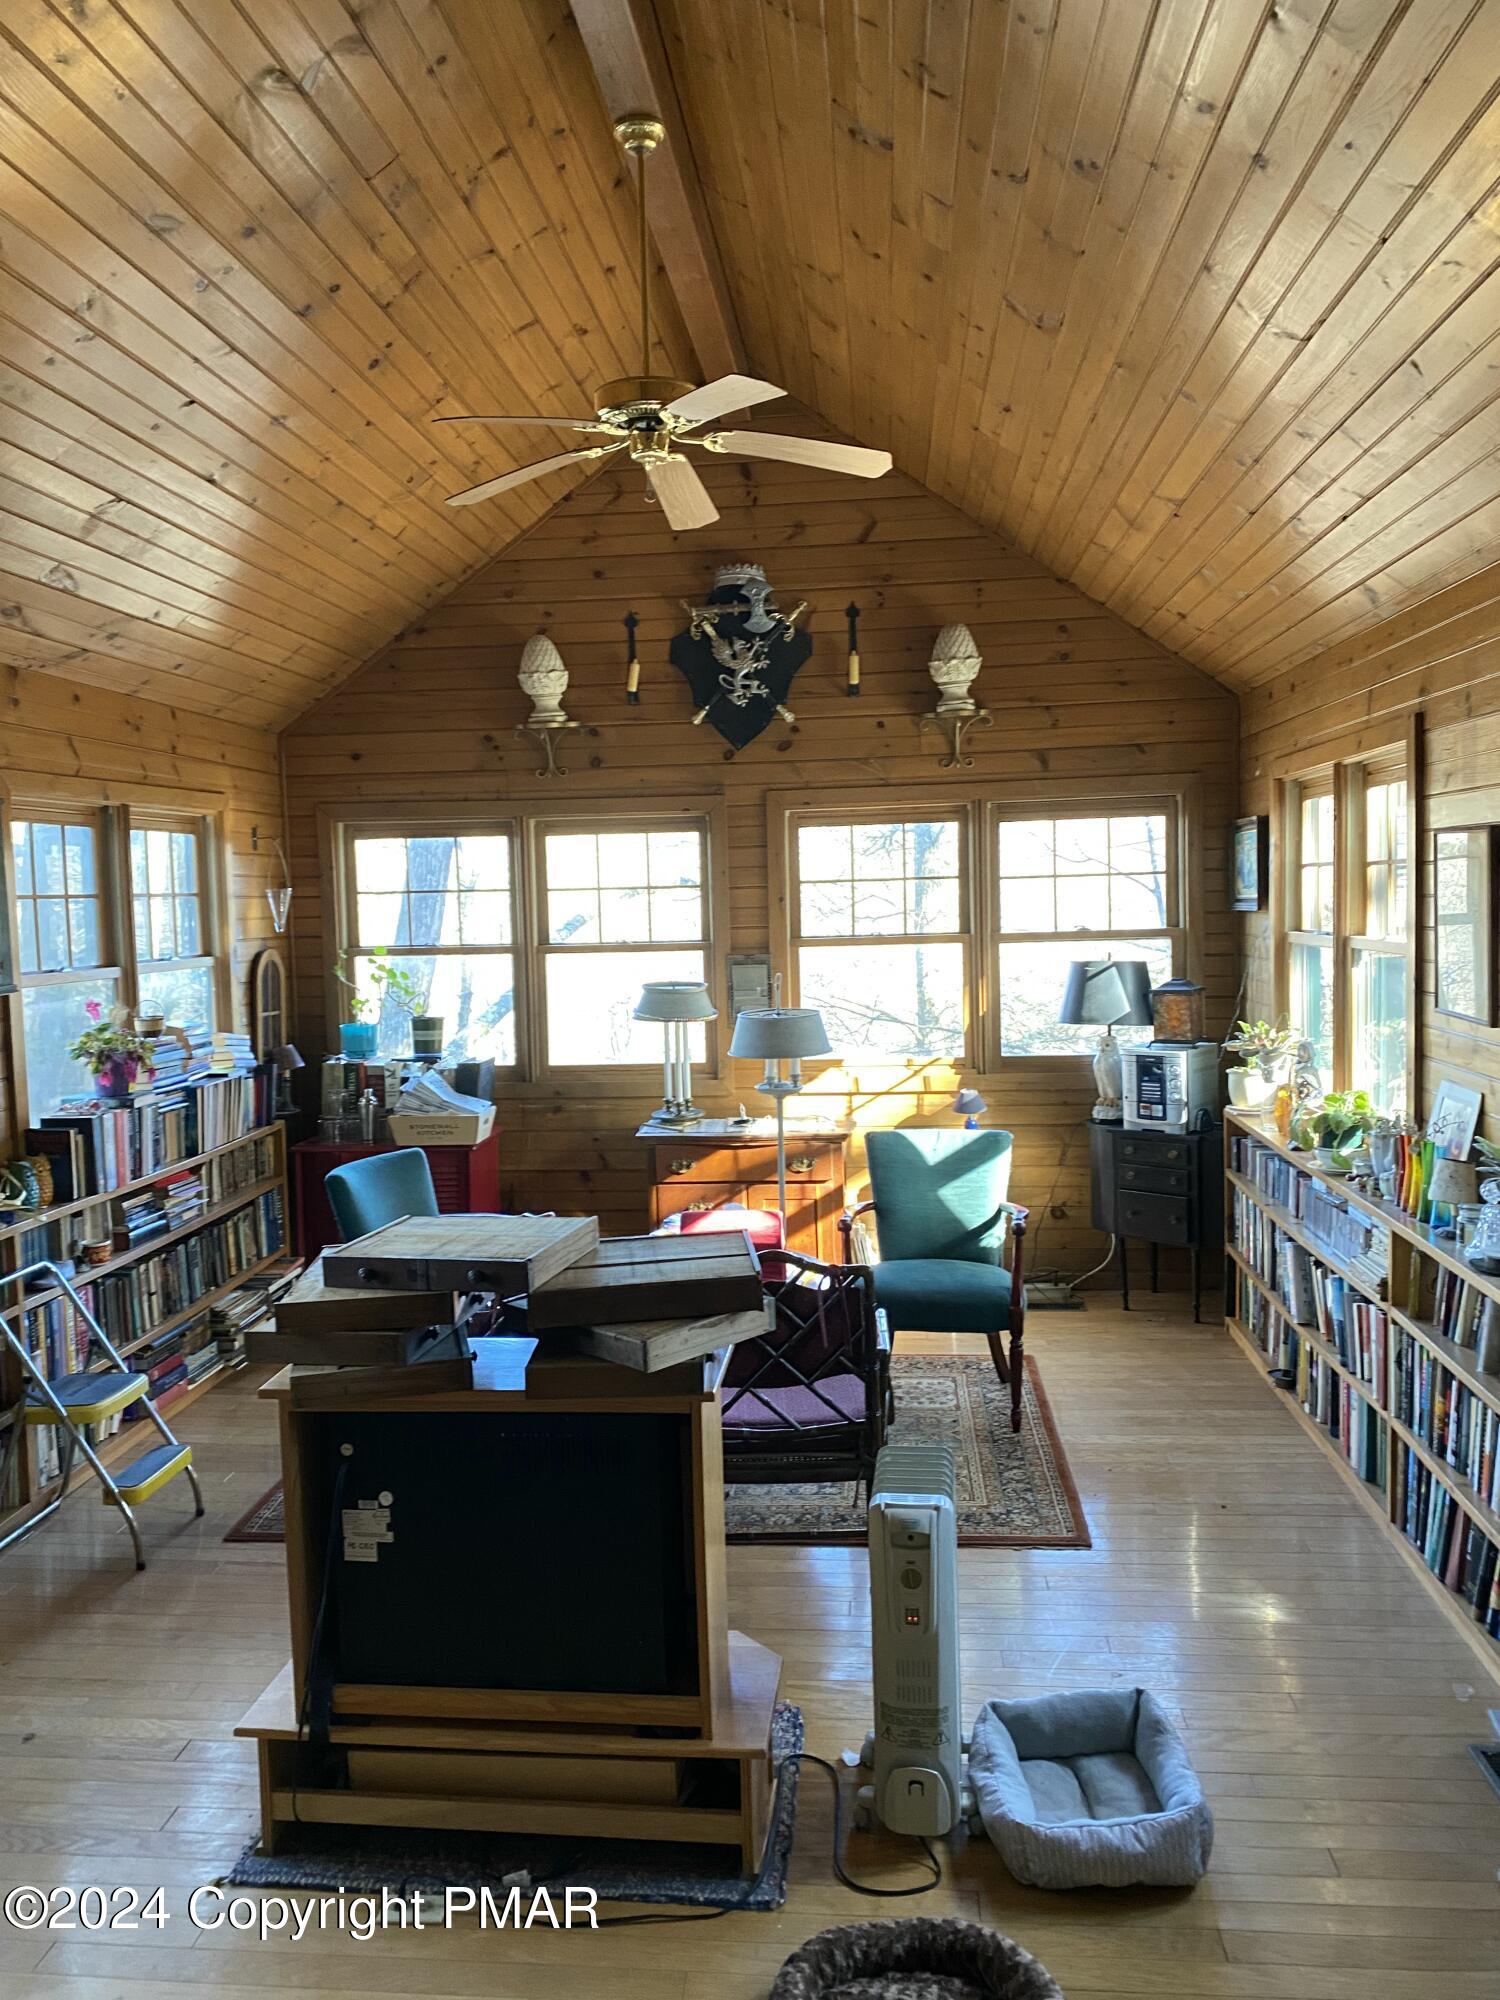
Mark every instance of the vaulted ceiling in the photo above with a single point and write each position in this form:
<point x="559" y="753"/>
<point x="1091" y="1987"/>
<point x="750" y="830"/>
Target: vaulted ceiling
<point x="1195" y="300"/>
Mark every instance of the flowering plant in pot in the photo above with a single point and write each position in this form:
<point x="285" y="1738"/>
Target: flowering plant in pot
<point x="1266" y="1052"/>
<point x="1335" y="1127"/>
<point x="113" y="1050"/>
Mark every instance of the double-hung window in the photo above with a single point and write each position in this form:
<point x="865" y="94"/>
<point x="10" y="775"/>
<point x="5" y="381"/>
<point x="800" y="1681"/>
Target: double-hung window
<point x="172" y="920"/>
<point x="881" y="935"/>
<point x="437" y="906"/>
<point x="1085" y="885"/>
<point x="1311" y="938"/>
<point x="65" y="953"/>
<point x="1379" y="952"/>
<point x="620" y="904"/>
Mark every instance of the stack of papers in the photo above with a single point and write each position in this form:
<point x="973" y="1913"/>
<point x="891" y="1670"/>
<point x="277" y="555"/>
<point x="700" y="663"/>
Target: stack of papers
<point x="427" y="1096"/>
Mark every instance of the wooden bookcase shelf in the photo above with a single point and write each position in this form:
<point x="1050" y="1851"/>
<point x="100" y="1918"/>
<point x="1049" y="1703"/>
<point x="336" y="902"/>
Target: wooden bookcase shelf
<point x="34" y="1488"/>
<point x="1414" y="1250"/>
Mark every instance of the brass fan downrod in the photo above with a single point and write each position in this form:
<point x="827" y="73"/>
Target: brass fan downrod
<point x="640" y="134"/>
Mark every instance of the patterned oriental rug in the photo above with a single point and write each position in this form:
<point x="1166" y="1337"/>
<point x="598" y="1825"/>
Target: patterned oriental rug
<point x="1015" y="1488"/>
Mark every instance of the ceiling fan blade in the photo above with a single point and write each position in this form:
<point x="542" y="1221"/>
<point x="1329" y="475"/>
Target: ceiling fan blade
<point x="473" y="494"/>
<point x="683" y="496"/>
<point x="804" y="451"/>
<point x="538" y="423"/>
<point x="717" y="399"/>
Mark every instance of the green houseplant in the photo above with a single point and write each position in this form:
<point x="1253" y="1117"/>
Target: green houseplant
<point x="386" y="981"/>
<point x="113" y="1050"/>
<point x="1335" y="1127"/>
<point x="1266" y="1052"/>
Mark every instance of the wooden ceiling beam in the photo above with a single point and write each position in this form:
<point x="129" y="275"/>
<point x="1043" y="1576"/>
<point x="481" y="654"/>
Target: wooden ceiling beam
<point x="625" y="49"/>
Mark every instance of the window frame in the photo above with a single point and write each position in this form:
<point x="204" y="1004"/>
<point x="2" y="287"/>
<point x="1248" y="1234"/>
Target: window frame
<point x="211" y="904"/>
<point x="1347" y="780"/>
<point x="981" y="804"/>
<point x="525" y="825"/>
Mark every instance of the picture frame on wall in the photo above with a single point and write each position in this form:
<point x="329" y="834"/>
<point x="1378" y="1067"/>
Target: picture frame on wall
<point x="1250" y="862"/>
<point x="1463" y="930"/>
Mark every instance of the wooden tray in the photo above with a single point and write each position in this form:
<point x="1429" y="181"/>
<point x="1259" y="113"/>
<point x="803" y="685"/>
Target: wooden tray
<point x="665" y="1278"/>
<point x="652" y="1345"/>
<point x="314" y="1306"/>
<point x="507" y="1254"/>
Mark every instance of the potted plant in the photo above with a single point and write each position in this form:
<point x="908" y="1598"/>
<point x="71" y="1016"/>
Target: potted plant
<point x="1265" y="1053"/>
<point x="113" y="1050"/>
<point x="359" y="1036"/>
<point x="1336" y="1127"/>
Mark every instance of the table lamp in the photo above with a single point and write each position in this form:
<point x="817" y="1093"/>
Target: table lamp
<point x="1107" y="993"/>
<point x="676" y="1003"/>
<point x="972" y="1108"/>
<point x="777" y="1035"/>
<point x="285" y="1059"/>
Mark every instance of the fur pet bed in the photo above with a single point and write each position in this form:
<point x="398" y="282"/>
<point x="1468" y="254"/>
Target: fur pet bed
<point x="1090" y="1790"/>
<point x="913" y="1958"/>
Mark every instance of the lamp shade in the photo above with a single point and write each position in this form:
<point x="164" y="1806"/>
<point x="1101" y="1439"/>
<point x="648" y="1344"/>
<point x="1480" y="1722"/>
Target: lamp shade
<point x="1453" y="1181"/>
<point x="768" y="1034"/>
<point x="287" y="1058"/>
<point x="969" y="1104"/>
<point x="1107" y="993"/>
<point x="675" y="1000"/>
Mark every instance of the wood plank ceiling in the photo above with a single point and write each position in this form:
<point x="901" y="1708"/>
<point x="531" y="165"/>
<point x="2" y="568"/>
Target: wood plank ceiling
<point x="1195" y="300"/>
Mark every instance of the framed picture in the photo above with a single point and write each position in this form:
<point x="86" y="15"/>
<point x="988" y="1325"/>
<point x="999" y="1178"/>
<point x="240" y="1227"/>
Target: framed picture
<point x="1252" y="840"/>
<point x="1454" y="1120"/>
<point x="1463" y="940"/>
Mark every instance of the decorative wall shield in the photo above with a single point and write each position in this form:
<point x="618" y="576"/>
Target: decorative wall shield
<point x="739" y="654"/>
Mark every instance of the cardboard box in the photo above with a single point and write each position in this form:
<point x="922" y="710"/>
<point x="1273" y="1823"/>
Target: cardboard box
<point x="458" y="1128"/>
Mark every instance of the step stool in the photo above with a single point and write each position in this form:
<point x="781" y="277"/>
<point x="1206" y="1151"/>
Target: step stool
<point x="72" y="1402"/>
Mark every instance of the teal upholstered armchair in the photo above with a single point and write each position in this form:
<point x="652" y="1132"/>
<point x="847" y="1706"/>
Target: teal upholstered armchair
<point x="382" y="1187"/>
<point x="943" y="1224"/>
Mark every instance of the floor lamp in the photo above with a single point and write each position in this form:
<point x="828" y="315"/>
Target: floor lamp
<point x="777" y="1035"/>
<point x="676" y="1003"/>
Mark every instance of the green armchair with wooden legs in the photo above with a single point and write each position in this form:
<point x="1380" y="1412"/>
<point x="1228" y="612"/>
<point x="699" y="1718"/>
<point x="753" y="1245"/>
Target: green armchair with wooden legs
<point x="943" y="1227"/>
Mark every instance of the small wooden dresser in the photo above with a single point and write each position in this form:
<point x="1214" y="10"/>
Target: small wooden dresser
<point x="716" y="1161"/>
<point x="1159" y="1187"/>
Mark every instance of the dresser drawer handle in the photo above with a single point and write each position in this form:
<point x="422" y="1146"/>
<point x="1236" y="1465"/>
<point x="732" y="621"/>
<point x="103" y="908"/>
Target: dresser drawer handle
<point x="683" y="1166"/>
<point x="801" y="1163"/>
<point x="697" y="1207"/>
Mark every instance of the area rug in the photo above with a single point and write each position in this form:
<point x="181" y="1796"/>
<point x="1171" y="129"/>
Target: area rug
<point x="410" y="1861"/>
<point x="1015" y="1489"/>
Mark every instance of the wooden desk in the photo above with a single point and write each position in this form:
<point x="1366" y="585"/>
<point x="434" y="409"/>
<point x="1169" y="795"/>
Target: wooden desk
<point x="716" y="1161"/>
<point x="576" y="1759"/>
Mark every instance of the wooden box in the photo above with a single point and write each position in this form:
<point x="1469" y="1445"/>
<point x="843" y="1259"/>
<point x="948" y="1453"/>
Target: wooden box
<point x="660" y="1278"/>
<point x="507" y="1254"/>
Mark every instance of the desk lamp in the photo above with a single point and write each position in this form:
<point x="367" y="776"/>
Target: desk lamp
<point x="676" y="1003"/>
<point x="973" y="1108"/>
<point x="777" y="1035"/>
<point x="1107" y="993"/>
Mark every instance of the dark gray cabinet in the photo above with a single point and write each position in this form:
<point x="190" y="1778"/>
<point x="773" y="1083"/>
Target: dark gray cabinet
<point x="1155" y="1188"/>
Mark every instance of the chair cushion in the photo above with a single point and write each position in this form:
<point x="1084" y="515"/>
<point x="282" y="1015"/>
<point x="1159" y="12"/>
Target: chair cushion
<point x="761" y="1225"/>
<point x="792" y="1403"/>
<point x="942" y="1295"/>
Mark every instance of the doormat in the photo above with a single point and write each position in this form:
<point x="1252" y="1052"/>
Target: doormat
<point x="409" y="1860"/>
<point x="1015" y="1488"/>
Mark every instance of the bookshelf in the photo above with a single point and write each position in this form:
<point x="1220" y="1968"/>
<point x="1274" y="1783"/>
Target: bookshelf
<point x="1374" y="1324"/>
<point x="215" y="1218"/>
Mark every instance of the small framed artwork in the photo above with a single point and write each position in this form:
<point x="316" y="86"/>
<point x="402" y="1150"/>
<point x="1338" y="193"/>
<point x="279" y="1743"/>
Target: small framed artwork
<point x="1454" y="1120"/>
<point x="1463" y="941"/>
<point x="1251" y="857"/>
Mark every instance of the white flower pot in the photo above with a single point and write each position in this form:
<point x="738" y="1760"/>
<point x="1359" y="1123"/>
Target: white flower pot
<point x="1250" y="1089"/>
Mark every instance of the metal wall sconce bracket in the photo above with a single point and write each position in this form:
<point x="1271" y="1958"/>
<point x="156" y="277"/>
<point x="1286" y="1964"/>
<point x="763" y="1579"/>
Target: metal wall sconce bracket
<point x="953" y="725"/>
<point x="545" y="735"/>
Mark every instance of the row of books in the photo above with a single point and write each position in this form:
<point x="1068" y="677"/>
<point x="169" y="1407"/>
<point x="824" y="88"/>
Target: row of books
<point x="1345" y="1233"/>
<point x="1455" y="1424"/>
<point x="174" y="1361"/>
<point x="1464" y="1314"/>
<point x="1459" y="1554"/>
<point x="96" y="1147"/>
<point x="232" y="1317"/>
<point x="1270" y="1330"/>
<point x="129" y="1303"/>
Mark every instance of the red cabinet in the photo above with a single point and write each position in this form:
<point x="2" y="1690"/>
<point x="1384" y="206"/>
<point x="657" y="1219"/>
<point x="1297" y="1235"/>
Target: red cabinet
<point x="465" y="1178"/>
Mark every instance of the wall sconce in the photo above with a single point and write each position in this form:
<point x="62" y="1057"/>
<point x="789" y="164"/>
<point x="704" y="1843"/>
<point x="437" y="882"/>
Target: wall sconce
<point x="544" y="679"/>
<point x="954" y="664"/>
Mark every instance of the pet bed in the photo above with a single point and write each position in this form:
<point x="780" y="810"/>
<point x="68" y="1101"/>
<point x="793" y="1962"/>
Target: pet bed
<point x="913" y="1958"/>
<point x="1090" y="1790"/>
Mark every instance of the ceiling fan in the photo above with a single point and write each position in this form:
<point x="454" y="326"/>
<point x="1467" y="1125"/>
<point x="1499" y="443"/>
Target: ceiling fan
<point x="651" y="415"/>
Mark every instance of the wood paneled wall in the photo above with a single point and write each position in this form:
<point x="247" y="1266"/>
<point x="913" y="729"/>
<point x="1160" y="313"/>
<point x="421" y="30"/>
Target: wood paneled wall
<point x="61" y="740"/>
<point x="1077" y="696"/>
<point x="1441" y="660"/>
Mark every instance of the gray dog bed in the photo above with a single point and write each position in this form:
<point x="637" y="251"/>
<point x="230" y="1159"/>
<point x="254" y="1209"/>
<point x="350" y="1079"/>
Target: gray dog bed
<point x="913" y="1958"/>
<point x="1090" y="1791"/>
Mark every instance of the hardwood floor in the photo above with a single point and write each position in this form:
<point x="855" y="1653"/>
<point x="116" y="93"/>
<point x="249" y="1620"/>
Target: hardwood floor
<point x="1231" y="1570"/>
